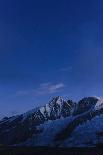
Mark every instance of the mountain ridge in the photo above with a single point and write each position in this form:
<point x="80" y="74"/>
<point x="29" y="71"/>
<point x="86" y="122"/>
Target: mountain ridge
<point x="18" y="129"/>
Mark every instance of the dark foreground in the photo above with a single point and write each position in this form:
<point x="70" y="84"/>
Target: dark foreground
<point x="50" y="151"/>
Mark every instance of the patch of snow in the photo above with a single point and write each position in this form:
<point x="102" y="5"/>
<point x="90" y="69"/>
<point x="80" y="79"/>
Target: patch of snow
<point x="42" y="110"/>
<point x="60" y="101"/>
<point x="48" y="109"/>
<point x="99" y="104"/>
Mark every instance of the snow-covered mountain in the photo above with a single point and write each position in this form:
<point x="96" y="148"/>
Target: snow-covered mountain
<point x="55" y="109"/>
<point x="56" y="124"/>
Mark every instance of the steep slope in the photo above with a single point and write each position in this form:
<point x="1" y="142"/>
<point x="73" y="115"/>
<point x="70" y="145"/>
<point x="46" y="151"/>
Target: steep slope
<point x="87" y="134"/>
<point x="61" y="132"/>
<point x="56" y="108"/>
<point x="85" y="104"/>
<point x="48" y="132"/>
<point x="19" y="128"/>
<point x="50" y="125"/>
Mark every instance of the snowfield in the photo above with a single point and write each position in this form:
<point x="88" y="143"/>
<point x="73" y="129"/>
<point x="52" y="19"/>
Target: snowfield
<point x="48" y="132"/>
<point x="87" y="134"/>
<point x="59" y="123"/>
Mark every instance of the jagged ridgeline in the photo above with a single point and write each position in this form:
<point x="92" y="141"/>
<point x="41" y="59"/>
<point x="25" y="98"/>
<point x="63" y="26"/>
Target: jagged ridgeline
<point x="54" y="124"/>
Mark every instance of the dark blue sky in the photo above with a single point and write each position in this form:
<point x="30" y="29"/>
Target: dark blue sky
<point x="49" y="48"/>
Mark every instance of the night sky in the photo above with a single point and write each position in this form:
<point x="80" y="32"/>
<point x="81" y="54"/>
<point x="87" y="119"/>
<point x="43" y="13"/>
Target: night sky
<point x="49" y="48"/>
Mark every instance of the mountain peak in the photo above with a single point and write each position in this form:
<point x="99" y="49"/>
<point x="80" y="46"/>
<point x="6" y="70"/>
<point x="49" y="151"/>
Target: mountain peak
<point x="25" y="125"/>
<point x="56" y="108"/>
<point x="58" y="99"/>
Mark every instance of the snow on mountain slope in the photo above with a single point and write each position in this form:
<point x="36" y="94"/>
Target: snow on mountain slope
<point x="55" y="109"/>
<point x="48" y="131"/>
<point x="49" y="124"/>
<point x="87" y="134"/>
<point x="23" y="126"/>
<point x="99" y="104"/>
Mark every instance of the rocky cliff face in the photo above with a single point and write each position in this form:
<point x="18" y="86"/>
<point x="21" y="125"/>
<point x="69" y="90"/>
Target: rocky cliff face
<point x="58" y="116"/>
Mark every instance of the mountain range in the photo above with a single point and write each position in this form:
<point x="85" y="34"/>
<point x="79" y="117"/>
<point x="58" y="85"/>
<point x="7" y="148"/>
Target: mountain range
<point x="59" y="123"/>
